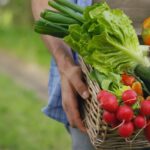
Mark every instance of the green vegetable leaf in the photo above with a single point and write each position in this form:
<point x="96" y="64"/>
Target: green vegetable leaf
<point x="107" y="41"/>
<point x="106" y="84"/>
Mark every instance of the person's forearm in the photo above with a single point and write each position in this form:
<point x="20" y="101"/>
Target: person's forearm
<point x="60" y="51"/>
<point x="56" y="46"/>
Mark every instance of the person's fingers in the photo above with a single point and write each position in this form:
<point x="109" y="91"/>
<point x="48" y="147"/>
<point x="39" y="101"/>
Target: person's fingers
<point x="75" y="119"/>
<point x="78" y="122"/>
<point x="67" y="93"/>
<point x="78" y="84"/>
<point x="70" y="105"/>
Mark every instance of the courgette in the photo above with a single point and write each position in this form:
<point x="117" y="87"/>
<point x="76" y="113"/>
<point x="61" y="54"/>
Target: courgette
<point x="143" y="72"/>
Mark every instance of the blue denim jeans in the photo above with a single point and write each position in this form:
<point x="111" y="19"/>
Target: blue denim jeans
<point x="80" y="140"/>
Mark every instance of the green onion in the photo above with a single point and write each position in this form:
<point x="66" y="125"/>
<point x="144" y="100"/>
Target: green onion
<point x="67" y="11"/>
<point x="71" y="5"/>
<point x="49" y="28"/>
<point x="57" y="17"/>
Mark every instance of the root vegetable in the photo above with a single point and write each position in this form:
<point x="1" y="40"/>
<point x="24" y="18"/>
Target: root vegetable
<point x="145" y="108"/>
<point x="125" y="113"/>
<point x="126" y="130"/>
<point x="129" y="97"/>
<point x="139" y="122"/>
<point x="109" y="118"/>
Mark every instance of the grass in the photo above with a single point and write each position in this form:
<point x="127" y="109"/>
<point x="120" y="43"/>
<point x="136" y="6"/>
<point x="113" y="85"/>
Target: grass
<point x="22" y="124"/>
<point x="23" y="42"/>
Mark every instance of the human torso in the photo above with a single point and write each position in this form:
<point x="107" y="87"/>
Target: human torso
<point x="137" y="10"/>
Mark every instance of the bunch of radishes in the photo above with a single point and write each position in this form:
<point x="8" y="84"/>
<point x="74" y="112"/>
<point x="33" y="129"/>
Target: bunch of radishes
<point x="120" y="114"/>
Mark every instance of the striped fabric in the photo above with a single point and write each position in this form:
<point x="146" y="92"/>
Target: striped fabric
<point x="54" y="108"/>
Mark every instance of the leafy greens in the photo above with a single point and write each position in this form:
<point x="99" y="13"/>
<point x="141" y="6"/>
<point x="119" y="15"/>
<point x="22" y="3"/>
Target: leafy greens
<point x="107" y="41"/>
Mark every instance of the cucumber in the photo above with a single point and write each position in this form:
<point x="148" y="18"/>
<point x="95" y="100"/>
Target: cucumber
<point x="143" y="72"/>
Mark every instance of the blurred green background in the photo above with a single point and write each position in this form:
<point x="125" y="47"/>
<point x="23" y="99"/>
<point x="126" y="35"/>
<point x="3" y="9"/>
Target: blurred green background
<point x="16" y="32"/>
<point x="22" y="124"/>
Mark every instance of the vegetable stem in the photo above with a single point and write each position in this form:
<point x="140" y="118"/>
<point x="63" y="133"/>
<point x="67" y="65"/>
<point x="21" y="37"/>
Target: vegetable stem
<point x="137" y="58"/>
<point x="57" y="17"/>
<point x="71" y="5"/>
<point x="67" y="11"/>
<point x="49" y="28"/>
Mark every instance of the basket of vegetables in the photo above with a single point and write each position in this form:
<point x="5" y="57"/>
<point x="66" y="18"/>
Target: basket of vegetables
<point x="116" y="68"/>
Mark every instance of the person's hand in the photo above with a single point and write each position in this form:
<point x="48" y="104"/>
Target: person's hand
<point x="72" y="85"/>
<point x="71" y="75"/>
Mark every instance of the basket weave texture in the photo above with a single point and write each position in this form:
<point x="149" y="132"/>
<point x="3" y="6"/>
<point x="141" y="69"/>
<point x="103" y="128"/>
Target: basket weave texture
<point x="101" y="135"/>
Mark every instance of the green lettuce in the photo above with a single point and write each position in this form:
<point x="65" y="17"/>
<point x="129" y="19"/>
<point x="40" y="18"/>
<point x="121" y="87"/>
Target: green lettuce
<point x="108" y="42"/>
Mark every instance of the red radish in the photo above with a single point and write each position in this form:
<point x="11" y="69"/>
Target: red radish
<point x="147" y="131"/>
<point x="127" y="79"/>
<point x="145" y="108"/>
<point x="102" y="93"/>
<point x="115" y="124"/>
<point x="139" y="122"/>
<point x="125" y="113"/>
<point x="126" y="129"/>
<point x="109" y="118"/>
<point x="148" y="98"/>
<point x="109" y="102"/>
<point x="129" y="97"/>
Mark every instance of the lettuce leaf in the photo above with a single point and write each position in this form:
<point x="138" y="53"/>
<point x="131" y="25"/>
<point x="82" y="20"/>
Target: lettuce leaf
<point x="107" y="41"/>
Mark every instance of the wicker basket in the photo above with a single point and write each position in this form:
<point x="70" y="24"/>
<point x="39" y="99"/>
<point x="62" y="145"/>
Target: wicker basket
<point x="102" y="136"/>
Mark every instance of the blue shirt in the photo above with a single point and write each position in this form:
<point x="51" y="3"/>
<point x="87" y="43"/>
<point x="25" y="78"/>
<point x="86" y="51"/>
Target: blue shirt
<point x="54" y="108"/>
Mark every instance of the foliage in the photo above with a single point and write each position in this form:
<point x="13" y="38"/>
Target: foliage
<point x="22" y="125"/>
<point x="26" y="44"/>
<point x="20" y="12"/>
